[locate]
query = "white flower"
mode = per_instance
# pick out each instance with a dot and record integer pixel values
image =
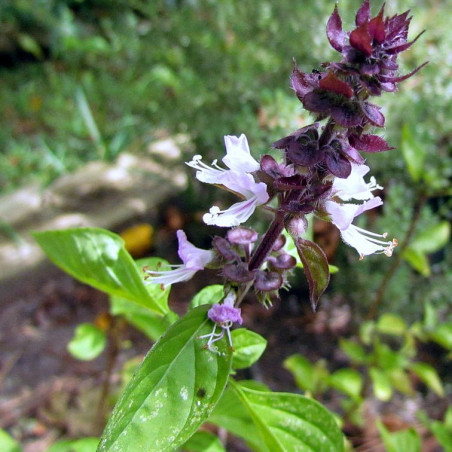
(365, 242)
(354, 186)
(193, 258)
(343, 214)
(237, 178)
(238, 156)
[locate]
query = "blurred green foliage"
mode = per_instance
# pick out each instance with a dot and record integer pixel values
(204, 67)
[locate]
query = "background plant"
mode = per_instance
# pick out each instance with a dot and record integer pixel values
(424, 138)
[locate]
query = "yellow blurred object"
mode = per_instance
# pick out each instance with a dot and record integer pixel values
(103, 321)
(138, 239)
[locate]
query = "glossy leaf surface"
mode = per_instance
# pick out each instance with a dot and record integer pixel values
(208, 295)
(232, 416)
(97, 257)
(173, 391)
(291, 421)
(248, 347)
(203, 442)
(152, 324)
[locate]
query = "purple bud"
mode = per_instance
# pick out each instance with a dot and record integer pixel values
(268, 281)
(297, 226)
(279, 243)
(224, 248)
(282, 262)
(238, 273)
(242, 236)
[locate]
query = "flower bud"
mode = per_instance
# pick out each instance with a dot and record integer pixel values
(238, 273)
(268, 281)
(242, 236)
(297, 226)
(224, 248)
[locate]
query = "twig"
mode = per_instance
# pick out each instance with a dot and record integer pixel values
(375, 305)
(115, 332)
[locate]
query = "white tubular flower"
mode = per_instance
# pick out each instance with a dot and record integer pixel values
(365, 242)
(237, 178)
(354, 187)
(238, 156)
(193, 258)
(243, 184)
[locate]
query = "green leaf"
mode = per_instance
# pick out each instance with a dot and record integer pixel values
(153, 325)
(77, 445)
(400, 380)
(432, 239)
(366, 332)
(389, 359)
(7, 443)
(354, 351)
(429, 376)
(232, 416)
(418, 260)
(428, 241)
(442, 432)
(88, 342)
(29, 44)
(173, 391)
(448, 418)
(333, 269)
(402, 440)
(381, 384)
(97, 257)
(204, 442)
(391, 324)
(90, 123)
(413, 153)
(208, 295)
(315, 266)
(150, 323)
(157, 293)
(430, 316)
(303, 372)
(442, 335)
(248, 348)
(291, 421)
(348, 381)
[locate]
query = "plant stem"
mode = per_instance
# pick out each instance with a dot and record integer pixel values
(115, 332)
(267, 242)
(375, 305)
(242, 292)
(327, 133)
